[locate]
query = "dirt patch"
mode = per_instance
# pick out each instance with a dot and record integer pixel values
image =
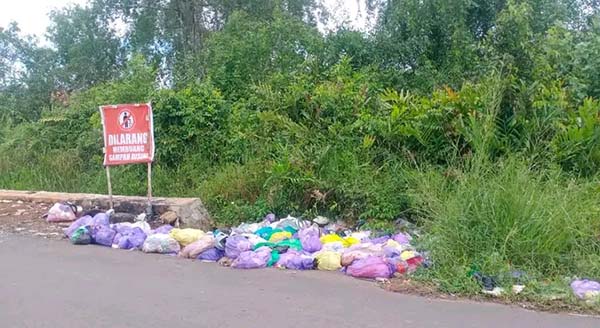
(26, 218)
(408, 286)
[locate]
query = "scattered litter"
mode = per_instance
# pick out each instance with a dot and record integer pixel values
(321, 220)
(496, 291)
(60, 212)
(517, 289)
(225, 261)
(487, 282)
(585, 289)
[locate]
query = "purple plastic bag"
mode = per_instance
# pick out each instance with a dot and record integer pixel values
(371, 267)
(391, 252)
(81, 222)
(122, 229)
(253, 259)
(211, 254)
(380, 240)
(586, 289)
(101, 219)
(270, 218)
(402, 238)
(103, 235)
(235, 245)
(164, 229)
(295, 260)
(134, 238)
(309, 238)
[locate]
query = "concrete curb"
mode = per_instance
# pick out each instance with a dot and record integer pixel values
(191, 211)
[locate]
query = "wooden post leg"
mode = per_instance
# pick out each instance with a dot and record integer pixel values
(149, 207)
(110, 196)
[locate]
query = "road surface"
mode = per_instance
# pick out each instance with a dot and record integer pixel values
(50, 283)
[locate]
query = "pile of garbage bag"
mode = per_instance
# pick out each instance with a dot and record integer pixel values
(288, 243)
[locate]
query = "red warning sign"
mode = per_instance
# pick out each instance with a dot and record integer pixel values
(128, 134)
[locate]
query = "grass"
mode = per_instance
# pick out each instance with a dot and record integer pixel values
(507, 217)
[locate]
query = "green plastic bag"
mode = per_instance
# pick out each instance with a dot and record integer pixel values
(274, 258)
(291, 243)
(266, 232)
(81, 236)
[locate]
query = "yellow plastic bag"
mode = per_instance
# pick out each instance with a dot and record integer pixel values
(329, 261)
(394, 244)
(332, 238)
(407, 255)
(325, 239)
(349, 241)
(186, 236)
(279, 236)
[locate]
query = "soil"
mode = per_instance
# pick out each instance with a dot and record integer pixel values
(26, 219)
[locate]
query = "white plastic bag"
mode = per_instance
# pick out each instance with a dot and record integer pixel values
(160, 243)
(62, 212)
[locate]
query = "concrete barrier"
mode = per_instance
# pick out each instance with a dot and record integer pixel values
(190, 211)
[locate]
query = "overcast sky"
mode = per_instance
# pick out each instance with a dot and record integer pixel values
(33, 19)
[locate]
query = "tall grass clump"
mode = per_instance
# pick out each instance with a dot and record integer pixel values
(508, 217)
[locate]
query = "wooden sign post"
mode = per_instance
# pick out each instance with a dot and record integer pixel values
(128, 132)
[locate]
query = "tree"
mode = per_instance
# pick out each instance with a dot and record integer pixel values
(249, 50)
(87, 47)
(27, 77)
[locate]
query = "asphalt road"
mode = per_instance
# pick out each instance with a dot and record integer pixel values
(49, 283)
